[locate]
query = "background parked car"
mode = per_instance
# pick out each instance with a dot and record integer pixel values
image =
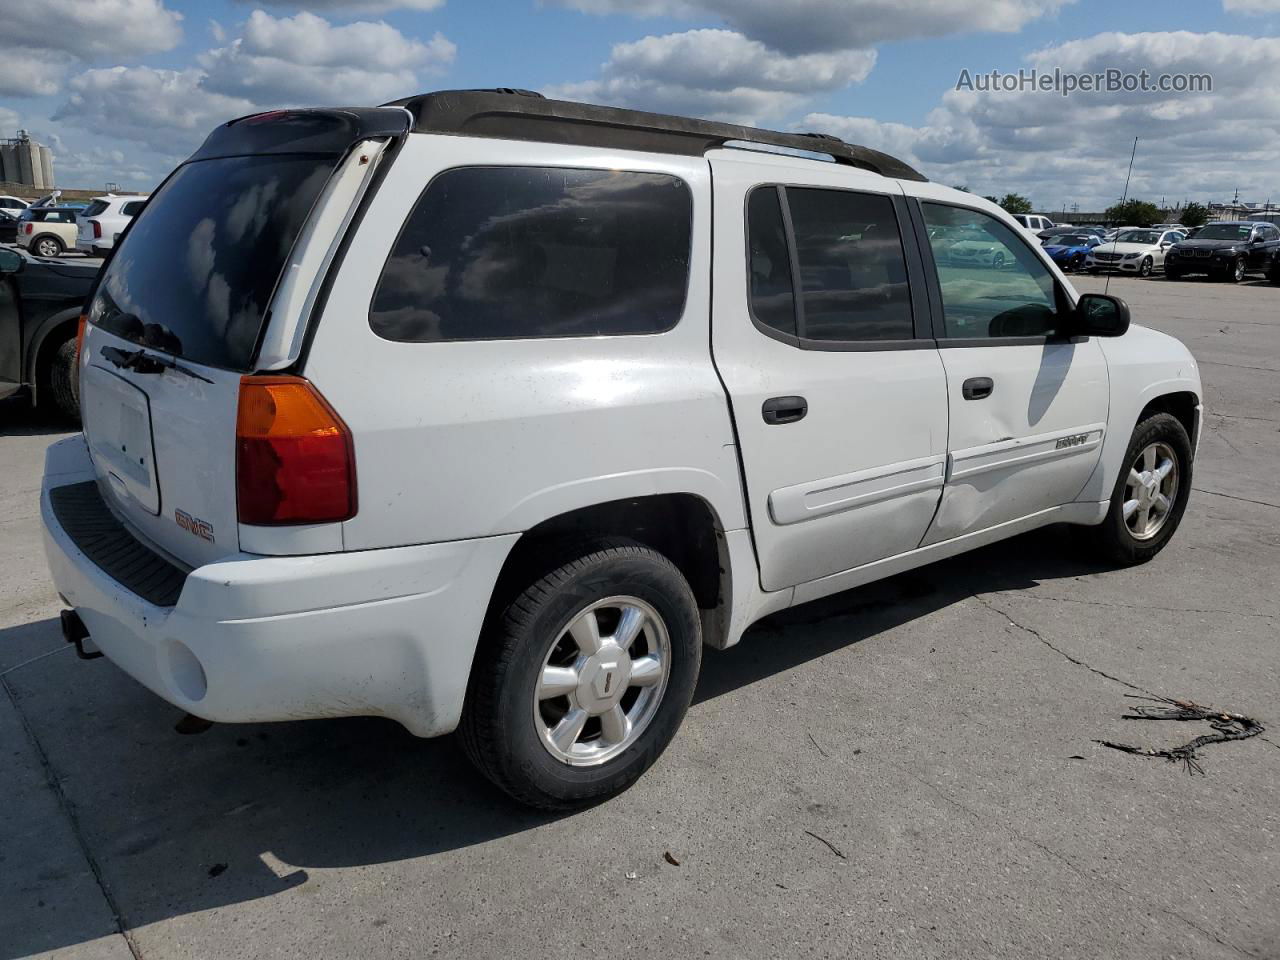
(959, 246)
(48, 231)
(1070, 250)
(1059, 230)
(104, 219)
(1137, 251)
(1033, 223)
(12, 206)
(40, 304)
(1228, 251)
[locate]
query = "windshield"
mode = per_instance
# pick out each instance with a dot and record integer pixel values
(200, 264)
(1138, 236)
(1225, 231)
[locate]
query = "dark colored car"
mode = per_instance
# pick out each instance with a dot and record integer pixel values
(1046, 235)
(1069, 250)
(40, 303)
(1228, 250)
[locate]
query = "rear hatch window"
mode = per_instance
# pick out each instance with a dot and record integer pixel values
(202, 260)
(95, 208)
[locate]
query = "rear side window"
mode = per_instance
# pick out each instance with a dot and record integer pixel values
(772, 294)
(493, 253)
(95, 208)
(198, 268)
(852, 268)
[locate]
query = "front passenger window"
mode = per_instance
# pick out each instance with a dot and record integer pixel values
(993, 286)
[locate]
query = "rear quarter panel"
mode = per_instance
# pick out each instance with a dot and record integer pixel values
(472, 439)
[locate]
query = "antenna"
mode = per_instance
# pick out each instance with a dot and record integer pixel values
(1123, 198)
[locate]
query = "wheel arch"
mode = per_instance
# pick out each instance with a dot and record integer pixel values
(1181, 404)
(684, 527)
(44, 343)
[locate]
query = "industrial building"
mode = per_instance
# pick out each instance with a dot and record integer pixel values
(25, 162)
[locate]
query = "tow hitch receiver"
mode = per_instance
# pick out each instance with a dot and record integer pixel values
(74, 631)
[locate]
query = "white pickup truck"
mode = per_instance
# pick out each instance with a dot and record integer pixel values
(487, 412)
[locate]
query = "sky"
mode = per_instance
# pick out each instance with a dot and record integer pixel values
(124, 90)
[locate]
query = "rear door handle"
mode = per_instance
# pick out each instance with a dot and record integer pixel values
(976, 388)
(778, 410)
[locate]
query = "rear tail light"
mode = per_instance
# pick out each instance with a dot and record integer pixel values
(27, 229)
(294, 458)
(97, 229)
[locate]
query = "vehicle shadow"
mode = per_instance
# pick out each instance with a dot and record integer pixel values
(242, 812)
(18, 418)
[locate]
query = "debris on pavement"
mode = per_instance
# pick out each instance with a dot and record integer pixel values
(1229, 726)
(667, 856)
(830, 846)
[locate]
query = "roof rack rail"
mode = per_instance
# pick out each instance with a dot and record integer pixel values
(512, 114)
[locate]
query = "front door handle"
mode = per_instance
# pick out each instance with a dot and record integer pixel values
(976, 388)
(784, 409)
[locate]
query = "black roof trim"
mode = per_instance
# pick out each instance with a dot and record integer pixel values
(523, 115)
(329, 130)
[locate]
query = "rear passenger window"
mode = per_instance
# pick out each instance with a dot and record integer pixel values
(772, 295)
(493, 253)
(853, 272)
(131, 208)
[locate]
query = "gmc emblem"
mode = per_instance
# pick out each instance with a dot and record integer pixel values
(201, 528)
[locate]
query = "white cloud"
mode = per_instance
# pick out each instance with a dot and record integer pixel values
(165, 111)
(1077, 149)
(27, 72)
(717, 73)
(1251, 7)
(307, 60)
(818, 25)
(349, 6)
(93, 28)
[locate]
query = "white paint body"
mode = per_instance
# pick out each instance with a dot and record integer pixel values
(1132, 254)
(461, 447)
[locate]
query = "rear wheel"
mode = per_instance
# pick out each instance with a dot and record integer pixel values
(581, 685)
(47, 246)
(63, 381)
(1150, 495)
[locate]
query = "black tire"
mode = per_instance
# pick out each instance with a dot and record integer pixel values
(47, 246)
(1234, 273)
(997, 261)
(1077, 263)
(63, 381)
(498, 730)
(1112, 540)
(1144, 268)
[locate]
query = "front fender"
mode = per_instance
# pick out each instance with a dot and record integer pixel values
(1142, 365)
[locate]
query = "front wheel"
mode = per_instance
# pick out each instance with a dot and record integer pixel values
(581, 685)
(1235, 272)
(1150, 495)
(997, 262)
(1144, 268)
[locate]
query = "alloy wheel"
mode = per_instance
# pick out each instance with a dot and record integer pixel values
(602, 681)
(1150, 490)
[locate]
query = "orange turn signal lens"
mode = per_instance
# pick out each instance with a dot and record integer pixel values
(295, 462)
(80, 338)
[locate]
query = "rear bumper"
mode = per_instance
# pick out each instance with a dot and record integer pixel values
(252, 638)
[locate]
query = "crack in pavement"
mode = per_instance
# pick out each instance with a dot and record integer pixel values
(1238, 366)
(1215, 493)
(1056, 649)
(69, 812)
(1148, 609)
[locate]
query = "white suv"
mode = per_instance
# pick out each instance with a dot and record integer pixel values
(1034, 223)
(485, 411)
(104, 219)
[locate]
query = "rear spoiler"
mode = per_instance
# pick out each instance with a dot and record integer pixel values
(331, 130)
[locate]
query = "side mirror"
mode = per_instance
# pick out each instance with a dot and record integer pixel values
(1100, 315)
(11, 261)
